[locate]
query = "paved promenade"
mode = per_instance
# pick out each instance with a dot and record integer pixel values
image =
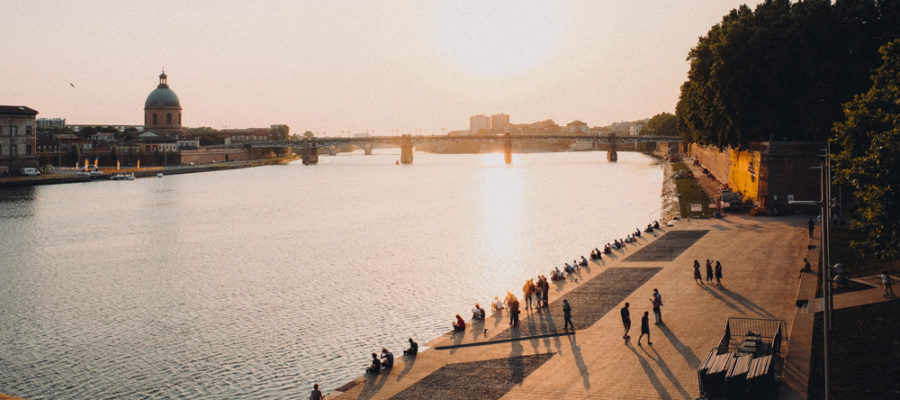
(761, 257)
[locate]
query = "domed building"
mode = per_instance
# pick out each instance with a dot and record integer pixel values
(162, 110)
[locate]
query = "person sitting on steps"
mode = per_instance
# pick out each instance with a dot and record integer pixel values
(459, 325)
(413, 348)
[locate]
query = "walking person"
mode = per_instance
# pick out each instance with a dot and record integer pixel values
(886, 281)
(697, 277)
(656, 301)
(718, 273)
(645, 329)
(567, 314)
(626, 321)
(709, 272)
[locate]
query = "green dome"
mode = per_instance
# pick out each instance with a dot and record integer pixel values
(162, 96)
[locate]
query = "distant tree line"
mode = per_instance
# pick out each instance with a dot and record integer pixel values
(783, 70)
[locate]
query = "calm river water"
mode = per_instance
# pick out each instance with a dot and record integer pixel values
(255, 283)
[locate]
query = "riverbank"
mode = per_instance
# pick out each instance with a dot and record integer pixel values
(596, 362)
(53, 179)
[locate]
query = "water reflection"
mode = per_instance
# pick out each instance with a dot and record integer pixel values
(500, 217)
(254, 283)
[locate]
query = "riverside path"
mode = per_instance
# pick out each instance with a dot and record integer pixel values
(760, 258)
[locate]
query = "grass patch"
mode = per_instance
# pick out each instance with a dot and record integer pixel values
(689, 191)
(864, 351)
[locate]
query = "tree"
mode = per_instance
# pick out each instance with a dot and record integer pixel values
(782, 70)
(279, 132)
(868, 159)
(663, 124)
(128, 134)
(86, 132)
(308, 134)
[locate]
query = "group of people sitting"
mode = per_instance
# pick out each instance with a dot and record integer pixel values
(387, 358)
(616, 244)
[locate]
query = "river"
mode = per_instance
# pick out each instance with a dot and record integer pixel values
(255, 283)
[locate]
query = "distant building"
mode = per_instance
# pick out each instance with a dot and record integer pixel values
(51, 122)
(188, 143)
(240, 136)
(577, 128)
(637, 127)
(499, 122)
(104, 137)
(18, 138)
(479, 122)
(150, 140)
(162, 109)
(459, 133)
(120, 128)
(620, 128)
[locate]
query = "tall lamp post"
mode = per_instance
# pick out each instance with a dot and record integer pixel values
(825, 240)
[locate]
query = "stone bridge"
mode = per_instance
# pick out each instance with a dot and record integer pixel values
(309, 148)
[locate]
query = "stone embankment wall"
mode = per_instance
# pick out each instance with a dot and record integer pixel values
(768, 174)
(210, 155)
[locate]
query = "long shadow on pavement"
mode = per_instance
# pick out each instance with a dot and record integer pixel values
(579, 362)
(657, 384)
(685, 351)
(410, 360)
(714, 293)
(667, 372)
(374, 384)
(747, 302)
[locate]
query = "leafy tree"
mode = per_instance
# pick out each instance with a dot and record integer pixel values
(279, 132)
(868, 159)
(128, 134)
(308, 134)
(663, 124)
(86, 132)
(782, 70)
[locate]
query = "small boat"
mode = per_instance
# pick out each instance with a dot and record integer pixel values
(159, 175)
(123, 176)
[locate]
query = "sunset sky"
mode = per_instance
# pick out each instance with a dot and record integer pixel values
(342, 66)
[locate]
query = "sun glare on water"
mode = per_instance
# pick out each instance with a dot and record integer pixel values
(496, 38)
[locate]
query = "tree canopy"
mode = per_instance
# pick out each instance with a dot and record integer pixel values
(868, 157)
(662, 124)
(782, 70)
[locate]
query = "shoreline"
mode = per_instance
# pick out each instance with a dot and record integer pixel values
(669, 210)
(54, 179)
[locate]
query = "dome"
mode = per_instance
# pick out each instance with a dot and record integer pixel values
(162, 97)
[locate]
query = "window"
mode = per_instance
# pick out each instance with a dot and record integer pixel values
(154, 118)
(12, 150)
(13, 130)
(179, 118)
(28, 130)
(169, 119)
(27, 149)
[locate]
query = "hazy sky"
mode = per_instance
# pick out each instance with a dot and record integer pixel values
(339, 65)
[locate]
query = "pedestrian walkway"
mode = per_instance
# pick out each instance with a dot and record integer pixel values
(760, 259)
